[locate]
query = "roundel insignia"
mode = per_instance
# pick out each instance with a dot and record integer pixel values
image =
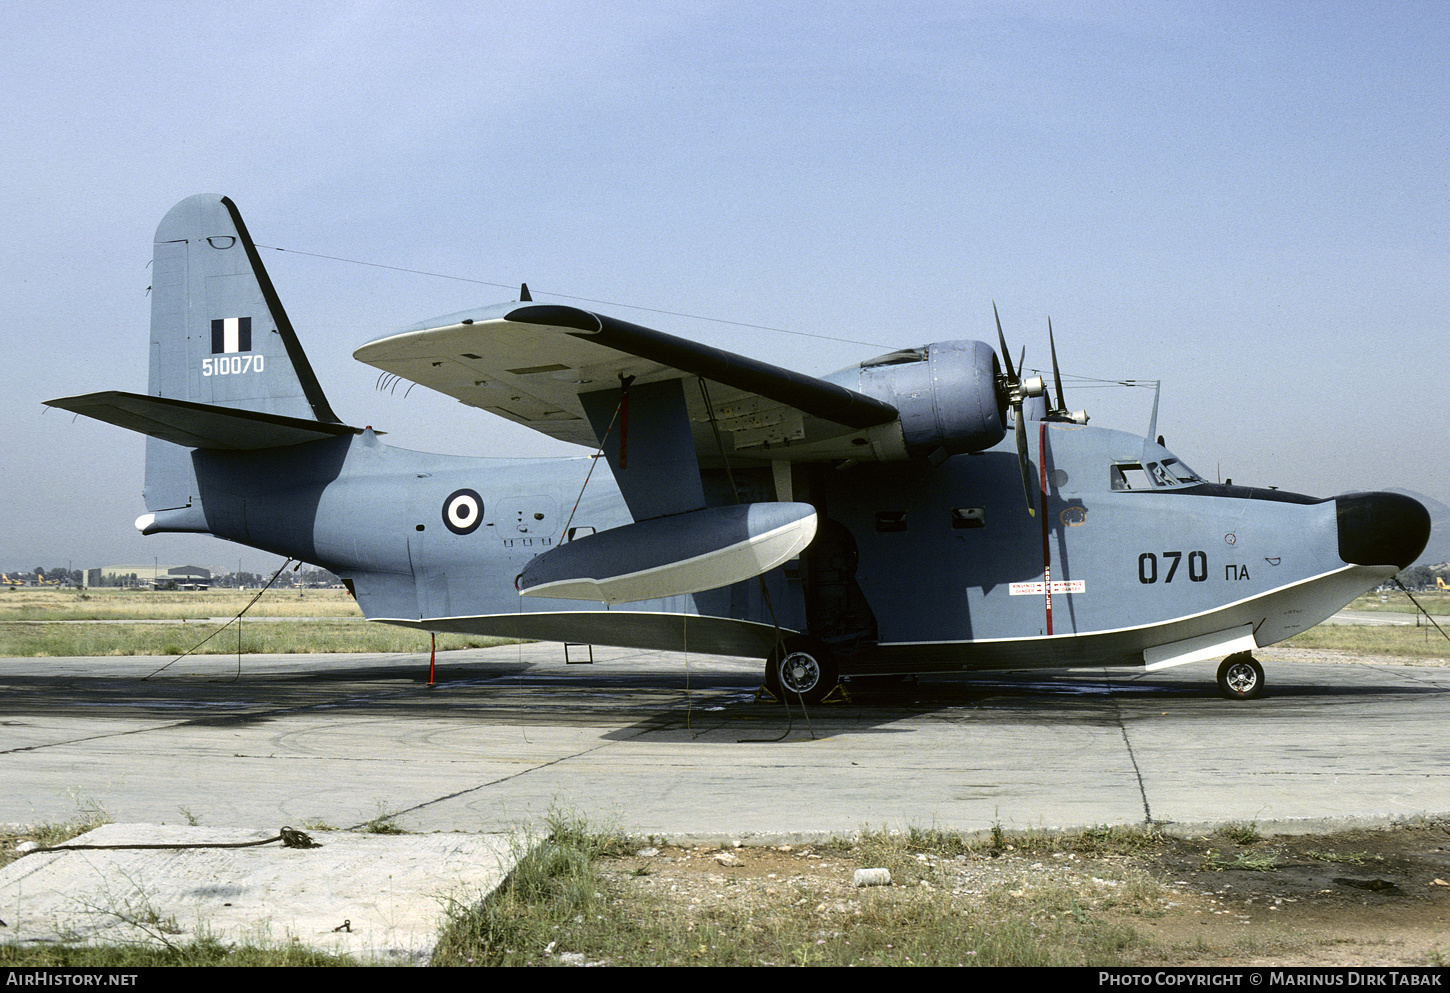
(463, 511)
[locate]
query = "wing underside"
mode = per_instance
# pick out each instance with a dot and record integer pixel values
(543, 366)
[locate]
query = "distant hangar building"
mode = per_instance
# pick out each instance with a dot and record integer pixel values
(184, 576)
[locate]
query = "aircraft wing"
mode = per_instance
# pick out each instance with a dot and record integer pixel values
(547, 366)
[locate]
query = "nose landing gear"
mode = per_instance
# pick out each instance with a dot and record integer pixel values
(1240, 677)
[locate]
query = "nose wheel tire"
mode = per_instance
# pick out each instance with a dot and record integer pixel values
(1240, 677)
(802, 670)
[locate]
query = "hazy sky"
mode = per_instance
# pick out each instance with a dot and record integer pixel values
(1246, 201)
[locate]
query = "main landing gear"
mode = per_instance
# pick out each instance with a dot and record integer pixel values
(801, 670)
(1240, 677)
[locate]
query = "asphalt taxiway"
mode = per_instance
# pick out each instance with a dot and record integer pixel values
(676, 746)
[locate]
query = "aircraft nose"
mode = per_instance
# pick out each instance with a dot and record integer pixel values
(1381, 528)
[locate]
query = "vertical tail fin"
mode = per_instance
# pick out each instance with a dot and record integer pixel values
(219, 334)
(227, 371)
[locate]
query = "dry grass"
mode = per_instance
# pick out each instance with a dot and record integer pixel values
(1400, 640)
(38, 604)
(579, 898)
(1107, 897)
(20, 640)
(1437, 602)
(67, 623)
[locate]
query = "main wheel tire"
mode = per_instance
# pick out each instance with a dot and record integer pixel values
(1240, 677)
(801, 670)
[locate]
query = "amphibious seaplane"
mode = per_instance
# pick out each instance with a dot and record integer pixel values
(883, 519)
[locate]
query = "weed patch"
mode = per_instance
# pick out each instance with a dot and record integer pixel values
(581, 898)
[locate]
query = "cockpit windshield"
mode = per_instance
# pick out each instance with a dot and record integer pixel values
(1168, 472)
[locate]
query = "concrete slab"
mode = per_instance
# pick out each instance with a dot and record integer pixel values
(377, 897)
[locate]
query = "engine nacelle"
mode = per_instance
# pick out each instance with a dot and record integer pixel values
(947, 393)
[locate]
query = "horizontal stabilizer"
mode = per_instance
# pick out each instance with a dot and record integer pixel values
(668, 556)
(200, 425)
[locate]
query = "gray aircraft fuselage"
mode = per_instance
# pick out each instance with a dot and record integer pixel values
(915, 568)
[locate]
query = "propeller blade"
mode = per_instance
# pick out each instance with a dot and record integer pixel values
(1060, 412)
(1056, 376)
(1002, 340)
(1022, 459)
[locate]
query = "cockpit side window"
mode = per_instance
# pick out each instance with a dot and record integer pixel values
(1129, 476)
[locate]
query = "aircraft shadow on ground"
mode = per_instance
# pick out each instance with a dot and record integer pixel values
(665, 705)
(880, 706)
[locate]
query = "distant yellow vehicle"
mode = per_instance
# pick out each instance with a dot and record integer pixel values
(1440, 584)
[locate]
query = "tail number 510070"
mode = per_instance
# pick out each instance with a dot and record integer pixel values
(1148, 566)
(231, 365)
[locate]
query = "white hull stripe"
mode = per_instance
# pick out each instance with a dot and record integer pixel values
(1368, 570)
